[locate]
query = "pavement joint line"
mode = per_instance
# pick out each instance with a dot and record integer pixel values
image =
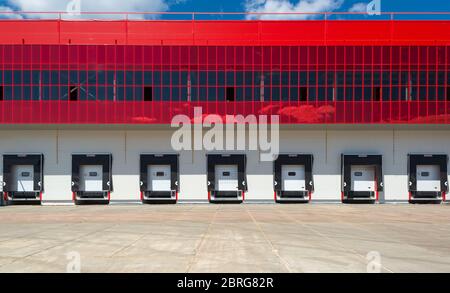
(29, 234)
(328, 228)
(274, 250)
(62, 243)
(127, 246)
(202, 241)
(362, 229)
(143, 235)
(412, 245)
(333, 240)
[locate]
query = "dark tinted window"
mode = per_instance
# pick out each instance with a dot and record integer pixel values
(148, 94)
(74, 92)
(230, 94)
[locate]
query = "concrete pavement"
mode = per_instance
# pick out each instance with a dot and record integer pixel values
(225, 238)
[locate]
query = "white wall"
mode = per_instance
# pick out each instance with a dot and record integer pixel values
(126, 146)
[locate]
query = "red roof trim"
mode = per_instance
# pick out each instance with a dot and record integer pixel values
(233, 33)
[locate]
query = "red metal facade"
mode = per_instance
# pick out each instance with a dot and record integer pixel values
(307, 72)
(224, 33)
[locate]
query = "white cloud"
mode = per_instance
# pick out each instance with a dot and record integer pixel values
(358, 7)
(6, 13)
(286, 6)
(91, 6)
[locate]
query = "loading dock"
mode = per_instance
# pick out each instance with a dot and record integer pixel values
(361, 178)
(23, 177)
(91, 177)
(293, 180)
(159, 177)
(427, 177)
(227, 179)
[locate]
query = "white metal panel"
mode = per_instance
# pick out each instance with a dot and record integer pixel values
(293, 178)
(23, 178)
(91, 178)
(226, 177)
(363, 178)
(428, 178)
(159, 178)
(193, 178)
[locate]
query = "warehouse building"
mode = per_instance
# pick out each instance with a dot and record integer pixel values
(362, 110)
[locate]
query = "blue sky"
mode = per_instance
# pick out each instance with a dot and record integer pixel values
(387, 5)
(226, 5)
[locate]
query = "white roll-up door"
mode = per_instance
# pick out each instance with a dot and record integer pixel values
(158, 178)
(293, 178)
(226, 177)
(91, 178)
(363, 178)
(428, 178)
(23, 178)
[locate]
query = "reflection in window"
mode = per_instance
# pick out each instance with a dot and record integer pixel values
(74, 92)
(282, 84)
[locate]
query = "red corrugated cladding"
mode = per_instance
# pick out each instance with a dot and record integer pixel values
(432, 36)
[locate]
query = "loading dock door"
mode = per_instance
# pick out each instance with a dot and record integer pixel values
(91, 178)
(159, 178)
(293, 178)
(23, 178)
(226, 177)
(363, 178)
(428, 178)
